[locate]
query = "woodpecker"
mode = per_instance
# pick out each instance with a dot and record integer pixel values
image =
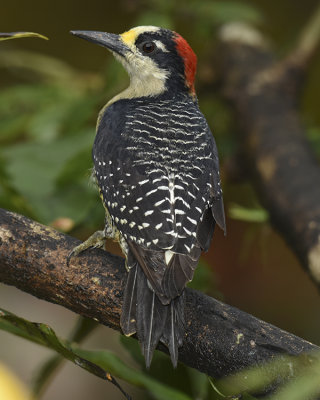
(157, 169)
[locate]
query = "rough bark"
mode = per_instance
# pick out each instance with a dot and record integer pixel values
(219, 340)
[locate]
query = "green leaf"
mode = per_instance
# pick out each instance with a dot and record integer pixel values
(215, 389)
(76, 168)
(42, 334)
(83, 328)
(111, 362)
(259, 215)
(47, 123)
(79, 111)
(18, 35)
(45, 374)
(9, 197)
(306, 386)
(34, 168)
(95, 362)
(161, 367)
(37, 112)
(300, 375)
(199, 384)
(76, 201)
(133, 348)
(11, 128)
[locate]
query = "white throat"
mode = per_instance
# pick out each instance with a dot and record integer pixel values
(146, 78)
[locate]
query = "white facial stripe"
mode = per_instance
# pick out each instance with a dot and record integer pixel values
(161, 46)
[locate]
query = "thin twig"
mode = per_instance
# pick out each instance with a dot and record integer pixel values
(308, 41)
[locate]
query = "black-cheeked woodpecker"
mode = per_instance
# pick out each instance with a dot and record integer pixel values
(157, 169)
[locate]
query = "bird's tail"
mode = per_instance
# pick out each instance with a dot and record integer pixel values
(144, 314)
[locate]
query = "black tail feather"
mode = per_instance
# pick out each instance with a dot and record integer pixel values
(218, 214)
(174, 329)
(151, 317)
(128, 314)
(144, 314)
(205, 229)
(179, 271)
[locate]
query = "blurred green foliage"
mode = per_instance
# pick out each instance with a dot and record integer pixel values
(47, 128)
(98, 363)
(46, 135)
(43, 335)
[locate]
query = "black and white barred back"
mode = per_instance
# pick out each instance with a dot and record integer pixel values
(157, 168)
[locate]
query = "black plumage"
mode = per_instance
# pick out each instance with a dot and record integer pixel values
(157, 169)
(162, 190)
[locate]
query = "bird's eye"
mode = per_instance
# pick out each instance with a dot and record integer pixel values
(148, 47)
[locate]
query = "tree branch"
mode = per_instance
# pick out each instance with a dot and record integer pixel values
(308, 41)
(219, 340)
(265, 96)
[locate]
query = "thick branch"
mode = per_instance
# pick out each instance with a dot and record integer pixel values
(220, 339)
(265, 96)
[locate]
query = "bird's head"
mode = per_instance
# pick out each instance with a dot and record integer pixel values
(157, 59)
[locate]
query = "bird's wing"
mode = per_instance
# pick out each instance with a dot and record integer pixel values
(156, 212)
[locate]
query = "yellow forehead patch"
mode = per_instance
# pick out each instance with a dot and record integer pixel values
(129, 37)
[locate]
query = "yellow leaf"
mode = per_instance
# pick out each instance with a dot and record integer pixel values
(11, 388)
(17, 35)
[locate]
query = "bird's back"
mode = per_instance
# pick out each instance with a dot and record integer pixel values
(157, 160)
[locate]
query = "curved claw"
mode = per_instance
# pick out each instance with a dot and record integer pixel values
(70, 255)
(95, 240)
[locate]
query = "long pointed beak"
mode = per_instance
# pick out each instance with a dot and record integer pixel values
(111, 41)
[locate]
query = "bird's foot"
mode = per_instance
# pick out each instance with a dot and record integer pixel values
(97, 240)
